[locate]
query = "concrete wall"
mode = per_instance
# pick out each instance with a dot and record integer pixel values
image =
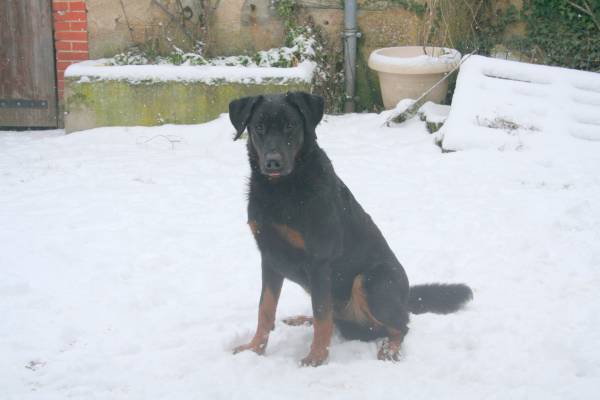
(230, 27)
(243, 26)
(115, 25)
(239, 26)
(92, 104)
(234, 26)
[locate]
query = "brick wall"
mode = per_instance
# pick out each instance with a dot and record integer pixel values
(70, 36)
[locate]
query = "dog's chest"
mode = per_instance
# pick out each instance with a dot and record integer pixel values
(285, 222)
(273, 235)
(279, 222)
(284, 247)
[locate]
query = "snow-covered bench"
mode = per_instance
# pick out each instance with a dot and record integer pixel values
(511, 105)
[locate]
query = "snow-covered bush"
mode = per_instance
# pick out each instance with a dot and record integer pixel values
(301, 48)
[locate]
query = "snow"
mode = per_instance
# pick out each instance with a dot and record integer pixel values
(434, 113)
(531, 105)
(99, 70)
(128, 272)
(448, 56)
(402, 106)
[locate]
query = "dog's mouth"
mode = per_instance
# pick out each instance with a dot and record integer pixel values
(274, 175)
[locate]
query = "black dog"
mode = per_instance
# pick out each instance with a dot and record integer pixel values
(311, 230)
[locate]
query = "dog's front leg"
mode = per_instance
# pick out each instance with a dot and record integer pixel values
(320, 290)
(269, 296)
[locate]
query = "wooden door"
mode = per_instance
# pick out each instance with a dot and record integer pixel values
(27, 73)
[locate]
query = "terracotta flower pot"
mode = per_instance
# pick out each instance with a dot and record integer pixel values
(407, 72)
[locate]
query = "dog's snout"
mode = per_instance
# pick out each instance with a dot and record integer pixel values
(273, 161)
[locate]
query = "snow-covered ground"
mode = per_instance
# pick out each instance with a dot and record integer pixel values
(127, 270)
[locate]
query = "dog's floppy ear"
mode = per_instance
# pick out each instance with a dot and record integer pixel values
(240, 111)
(310, 105)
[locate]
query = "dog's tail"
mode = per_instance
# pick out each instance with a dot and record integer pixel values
(438, 298)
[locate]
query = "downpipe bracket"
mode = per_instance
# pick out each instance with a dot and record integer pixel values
(348, 33)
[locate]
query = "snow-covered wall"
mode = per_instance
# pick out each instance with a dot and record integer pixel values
(97, 70)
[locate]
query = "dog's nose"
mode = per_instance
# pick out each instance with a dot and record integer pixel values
(273, 161)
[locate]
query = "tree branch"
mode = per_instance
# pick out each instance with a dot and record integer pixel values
(586, 9)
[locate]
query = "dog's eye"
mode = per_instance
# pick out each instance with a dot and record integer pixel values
(291, 125)
(259, 128)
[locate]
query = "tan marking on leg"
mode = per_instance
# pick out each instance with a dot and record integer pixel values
(390, 347)
(254, 227)
(266, 311)
(357, 308)
(319, 350)
(290, 235)
(266, 323)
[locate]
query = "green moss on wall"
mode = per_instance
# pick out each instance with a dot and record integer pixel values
(121, 103)
(367, 83)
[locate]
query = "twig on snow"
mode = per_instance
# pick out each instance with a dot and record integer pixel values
(170, 138)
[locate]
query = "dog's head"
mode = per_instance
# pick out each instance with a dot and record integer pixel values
(279, 127)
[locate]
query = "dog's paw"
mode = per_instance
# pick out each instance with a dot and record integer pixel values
(389, 351)
(314, 358)
(298, 320)
(257, 347)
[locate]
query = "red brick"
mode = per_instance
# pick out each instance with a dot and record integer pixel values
(62, 56)
(78, 26)
(77, 6)
(60, 84)
(62, 45)
(79, 36)
(81, 46)
(70, 16)
(72, 55)
(60, 5)
(62, 65)
(62, 26)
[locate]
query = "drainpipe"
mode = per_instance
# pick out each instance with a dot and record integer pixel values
(351, 34)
